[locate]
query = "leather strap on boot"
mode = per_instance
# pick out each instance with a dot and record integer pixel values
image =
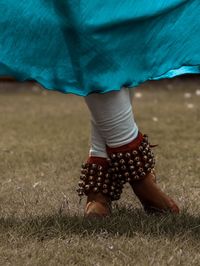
(133, 161)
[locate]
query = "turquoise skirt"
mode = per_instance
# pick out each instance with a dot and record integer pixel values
(85, 46)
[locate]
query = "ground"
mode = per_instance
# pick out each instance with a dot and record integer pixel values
(44, 139)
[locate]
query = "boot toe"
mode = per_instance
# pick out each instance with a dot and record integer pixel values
(96, 209)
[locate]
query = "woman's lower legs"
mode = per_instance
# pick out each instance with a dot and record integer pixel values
(112, 117)
(97, 143)
(112, 112)
(113, 126)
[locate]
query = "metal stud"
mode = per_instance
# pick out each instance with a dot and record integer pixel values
(126, 174)
(84, 165)
(113, 156)
(145, 158)
(87, 187)
(95, 189)
(107, 175)
(105, 191)
(91, 177)
(143, 174)
(116, 169)
(134, 153)
(91, 183)
(119, 155)
(123, 168)
(138, 164)
(113, 170)
(99, 179)
(149, 154)
(133, 173)
(130, 162)
(140, 148)
(131, 167)
(99, 167)
(80, 191)
(105, 186)
(127, 155)
(99, 173)
(122, 161)
(81, 184)
(98, 184)
(136, 159)
(144, 144)
(106, 181)
(83, 177)
(91, 172)
(84, 171)
(140, 170)
(94, 166)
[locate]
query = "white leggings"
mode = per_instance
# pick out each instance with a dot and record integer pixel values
(112, 120)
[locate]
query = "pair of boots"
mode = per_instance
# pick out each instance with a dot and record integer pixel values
(102, 180)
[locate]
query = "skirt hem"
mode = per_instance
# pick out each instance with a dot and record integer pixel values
(193, 69)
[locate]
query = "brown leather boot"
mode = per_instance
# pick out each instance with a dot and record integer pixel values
(98, 205)
(100, 185)
(135, 161)
(153, 199)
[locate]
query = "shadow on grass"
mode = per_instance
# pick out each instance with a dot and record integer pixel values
(123, 222)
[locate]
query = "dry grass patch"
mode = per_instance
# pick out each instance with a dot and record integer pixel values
(44, 139)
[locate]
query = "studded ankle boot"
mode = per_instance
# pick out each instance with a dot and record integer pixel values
(100, 185)
(135, 163)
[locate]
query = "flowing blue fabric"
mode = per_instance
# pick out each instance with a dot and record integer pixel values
(85, 46)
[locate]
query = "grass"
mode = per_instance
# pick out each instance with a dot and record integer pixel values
(44, 139)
